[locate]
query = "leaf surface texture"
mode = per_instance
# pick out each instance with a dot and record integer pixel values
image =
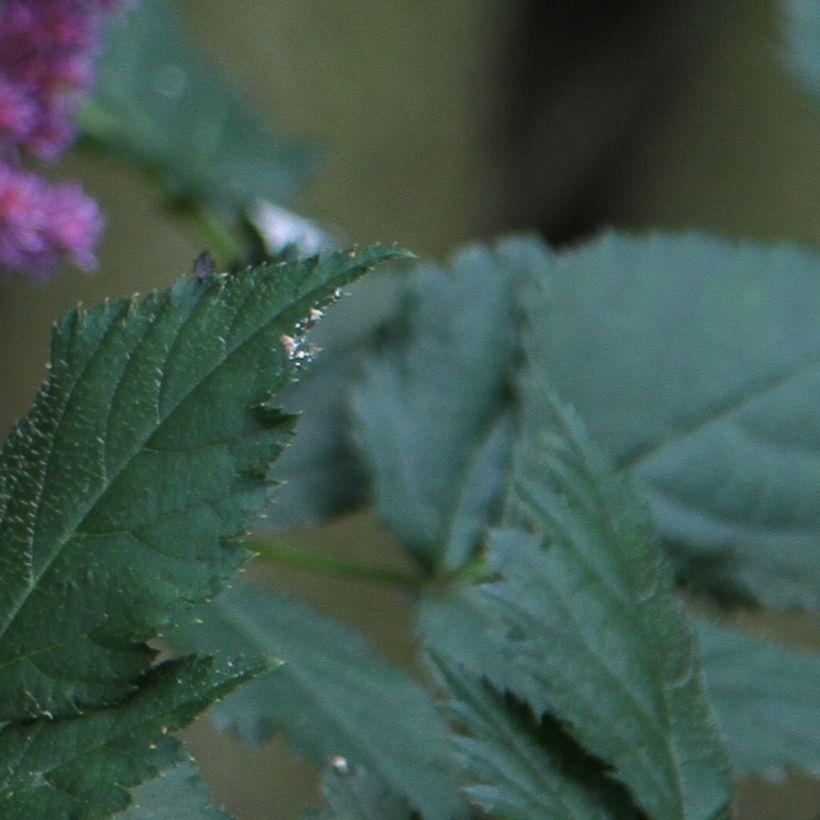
(146, 448)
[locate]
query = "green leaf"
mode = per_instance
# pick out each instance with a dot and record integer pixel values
(429, 403)
(161, 106)
(581, 622)
(332, 697)
(178, 792)
(321, 475)
(802, 30)
(83, 766)
(696, 363)
(356, 795)
(765, 699)
(146, 447)
(516, 768)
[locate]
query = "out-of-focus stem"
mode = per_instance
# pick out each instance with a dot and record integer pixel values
(272, 550)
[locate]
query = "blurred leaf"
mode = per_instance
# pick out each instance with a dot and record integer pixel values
(516, 768)
(696, 362)
(356, 795)
(321, 473)
(146, 447)
(162, 107)
(802, 28)
(765, 699)
(430, 401)
(332, 698)
(580, 621)
(177, 792)
(83, 766)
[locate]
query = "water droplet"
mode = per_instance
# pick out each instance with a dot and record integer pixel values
(340, 765)
(290, 345)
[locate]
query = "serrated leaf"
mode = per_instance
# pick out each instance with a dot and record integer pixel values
(428, 403)
(178, 792)
(160, 105)
(765, 699)
(332, 697)
(581, 623)
(514, 768)
(321, 474)
(357, 795)
(146, 448)
(802, 30)
(696, 362)
(83, 766)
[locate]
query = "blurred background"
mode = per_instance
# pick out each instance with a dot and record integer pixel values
(439, 123)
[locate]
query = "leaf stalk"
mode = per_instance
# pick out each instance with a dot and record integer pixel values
(271, 550)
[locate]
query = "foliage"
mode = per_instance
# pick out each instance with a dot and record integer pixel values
(333, 697)
(579, 622)
(145, 451)
(561, 441)
(355, 794)
(161, 106)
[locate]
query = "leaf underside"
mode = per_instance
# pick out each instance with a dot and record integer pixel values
(802, 53)
(146, 447)
(320, 472)
(178, 792)
(332, 697)
(431, 411)
(515, 768)
(694, 361)
(765, 699)
(581, 622)
(356, 795)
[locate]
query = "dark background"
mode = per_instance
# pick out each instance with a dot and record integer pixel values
(442, 122)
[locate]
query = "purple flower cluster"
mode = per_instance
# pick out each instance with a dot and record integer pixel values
(47, 48)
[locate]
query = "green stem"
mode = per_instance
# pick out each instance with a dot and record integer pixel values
(216, 237)
(294, 557)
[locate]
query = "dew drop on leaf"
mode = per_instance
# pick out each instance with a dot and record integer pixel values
(340, 765)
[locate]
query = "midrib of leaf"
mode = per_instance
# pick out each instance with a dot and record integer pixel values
(719, 412)
(59, 545)
(205, 302)
(658, 729)
(591, 534)
(741, 527)
(651, 726)
(466, 471)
